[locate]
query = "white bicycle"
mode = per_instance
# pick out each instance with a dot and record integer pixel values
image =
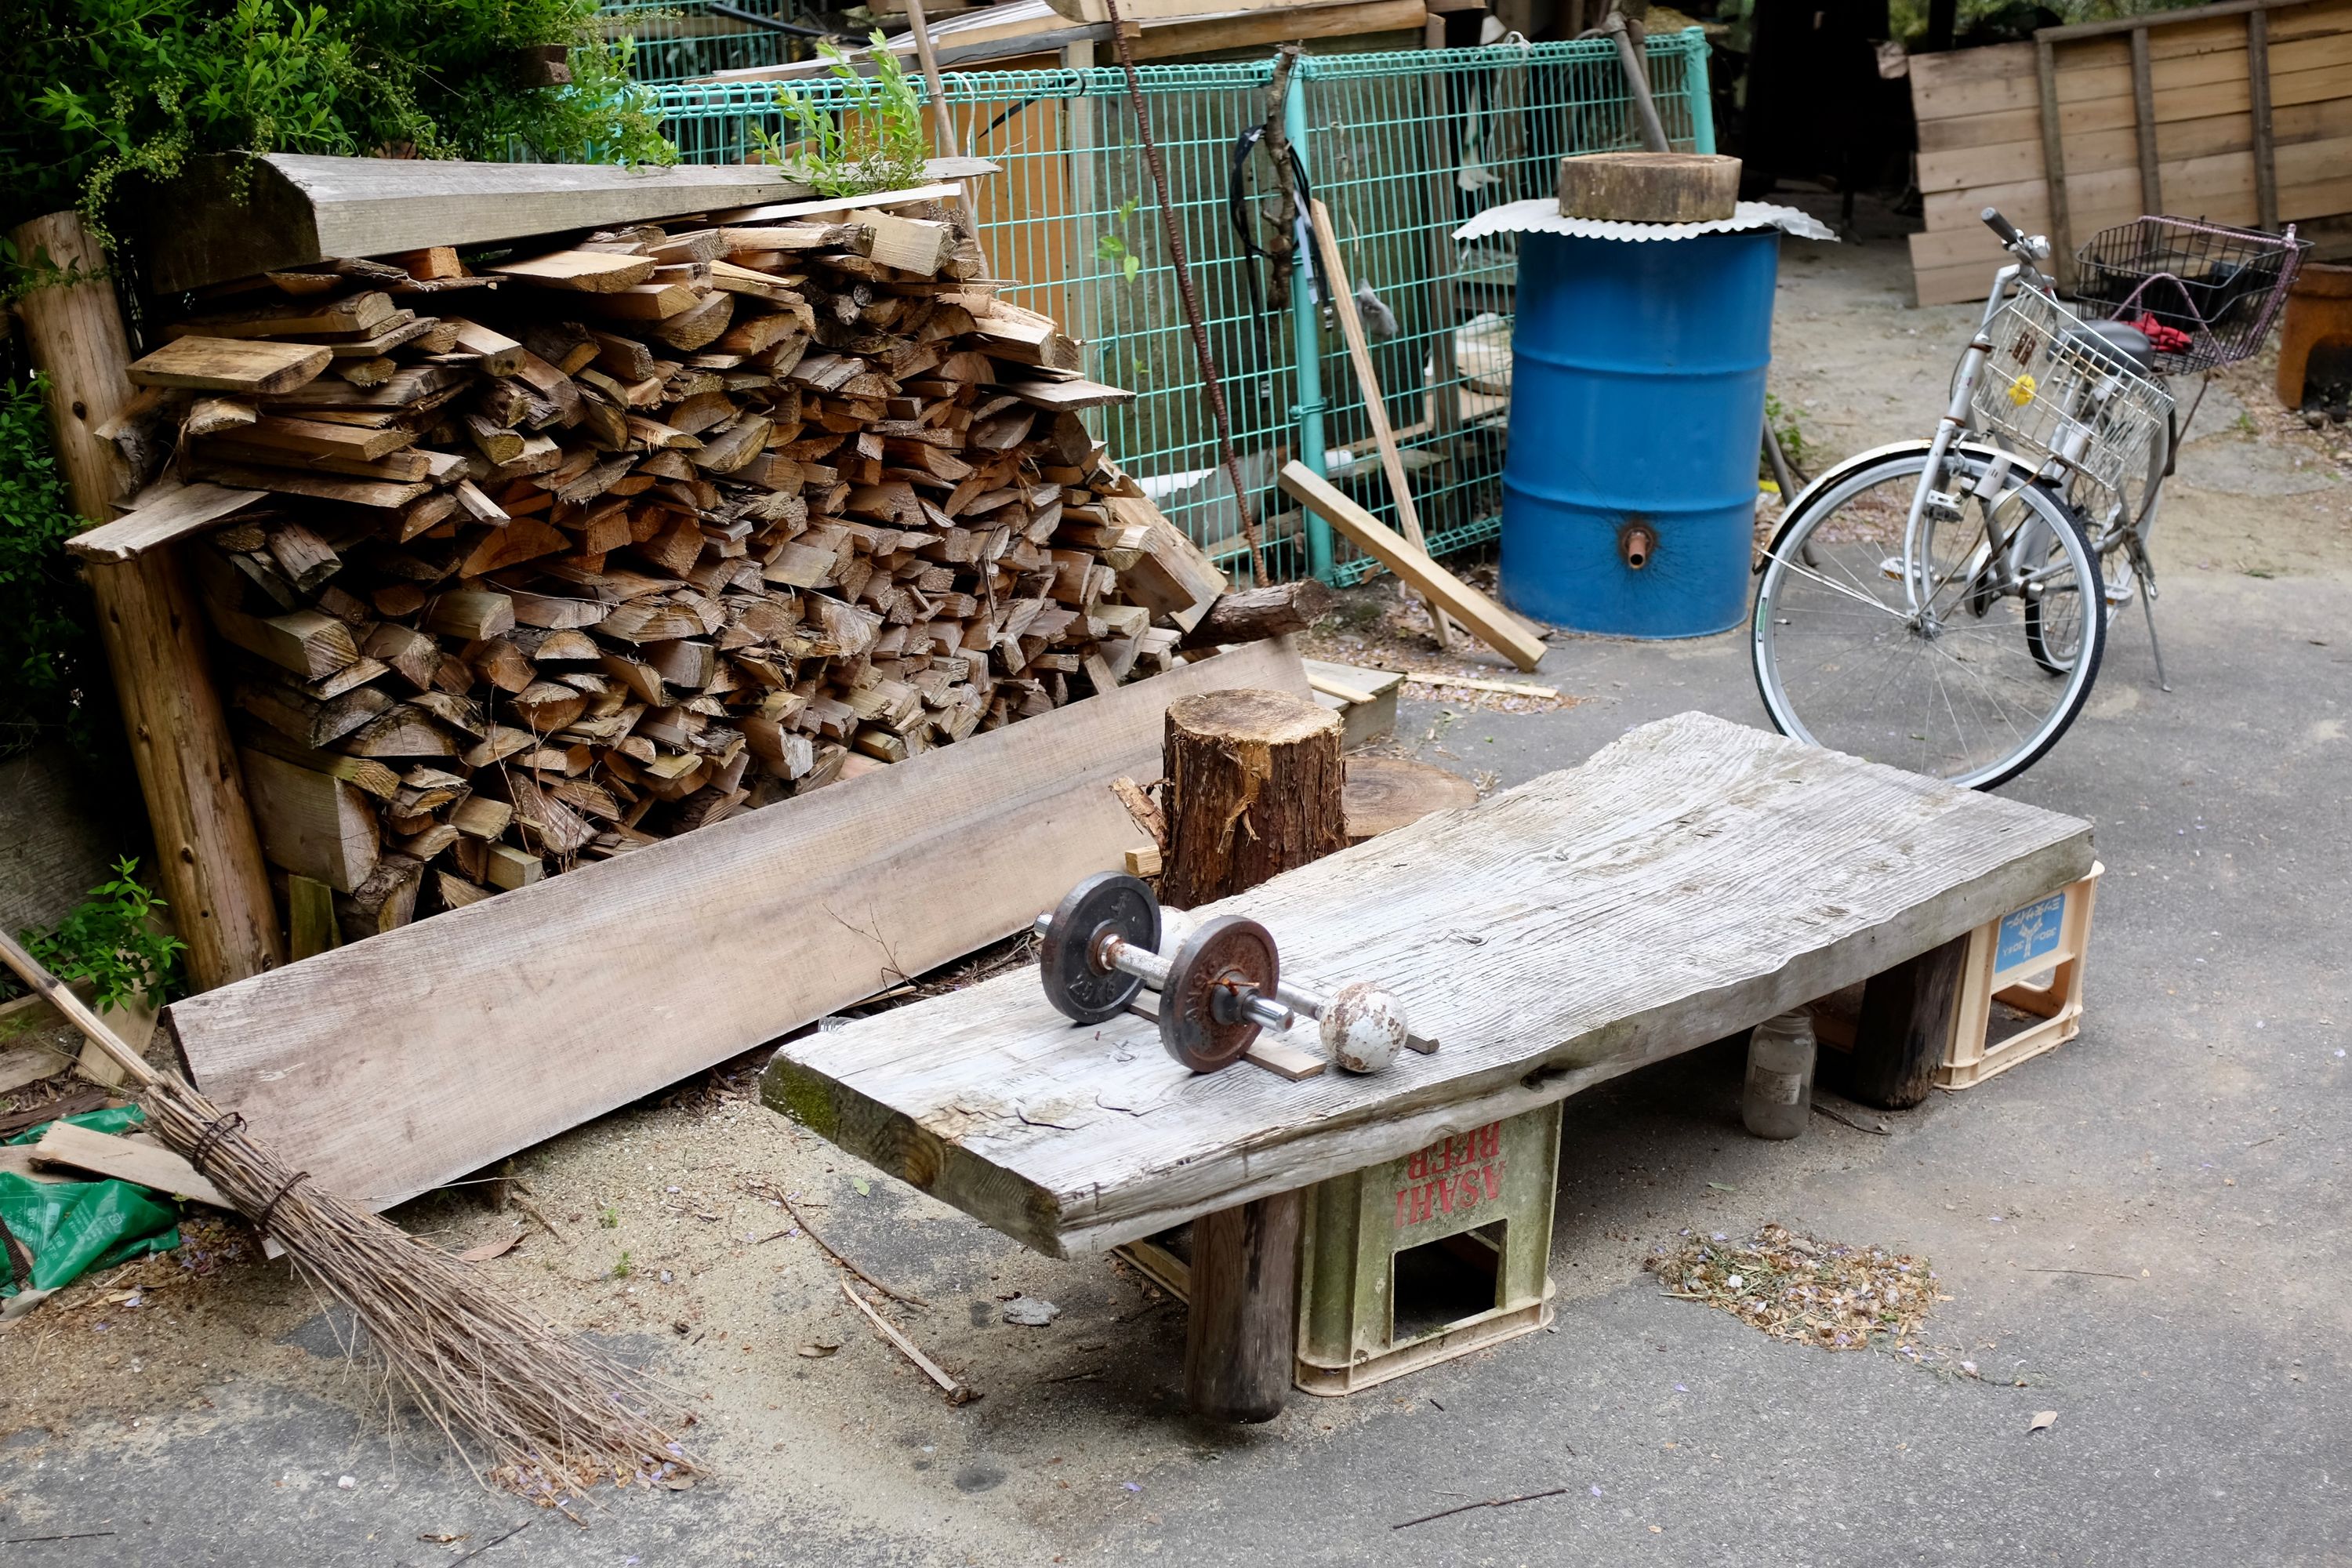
(1929, 604)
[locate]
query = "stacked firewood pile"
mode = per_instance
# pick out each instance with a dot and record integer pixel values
(571, 548)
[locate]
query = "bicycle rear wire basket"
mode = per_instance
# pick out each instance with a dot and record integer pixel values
(2059, 392)
(2204, 294)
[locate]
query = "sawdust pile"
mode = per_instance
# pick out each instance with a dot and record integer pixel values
(1795, 1287)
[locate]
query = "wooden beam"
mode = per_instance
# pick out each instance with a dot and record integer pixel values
(1906, 1028)
(1691, 836)
(2053, 162)
(2151, 183)
(736, 934)
(2168, 19)
(1495, 626)
(206, 854)
(1376, 407)
(2258, 86)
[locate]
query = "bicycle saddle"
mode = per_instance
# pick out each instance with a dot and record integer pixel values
(2117, 345)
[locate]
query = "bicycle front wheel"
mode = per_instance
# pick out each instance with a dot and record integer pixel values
(1976, 682)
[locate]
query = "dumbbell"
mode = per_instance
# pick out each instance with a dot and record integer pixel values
(1222, 984)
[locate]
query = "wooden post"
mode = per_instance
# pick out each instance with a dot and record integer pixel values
(206, 848)
(2258, 88)
(1254, 782)
(1255, 787)
(2053, 161)
(1906, 1027)
(1241, 1337)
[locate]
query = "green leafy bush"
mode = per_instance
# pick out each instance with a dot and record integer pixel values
(874, 142)
(112, 940)
(48, 652)
(96, 96)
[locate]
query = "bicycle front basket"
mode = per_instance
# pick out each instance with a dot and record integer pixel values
(2205, 294)
(2058, 391)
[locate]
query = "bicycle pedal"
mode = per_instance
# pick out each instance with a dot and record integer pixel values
(2119, 593)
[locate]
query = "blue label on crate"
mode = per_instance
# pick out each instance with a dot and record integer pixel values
(2029, 932)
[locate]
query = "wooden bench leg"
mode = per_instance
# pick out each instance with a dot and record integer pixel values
(1906, 1027)
(1241, 1335)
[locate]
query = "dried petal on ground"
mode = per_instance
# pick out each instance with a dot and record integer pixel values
(2043, 1421)
(1802, 1288)
(1031, 1311)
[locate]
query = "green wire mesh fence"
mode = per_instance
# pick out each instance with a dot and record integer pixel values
(675, 40)
(1401, 147)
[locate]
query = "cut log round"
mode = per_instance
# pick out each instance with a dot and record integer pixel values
(1253, 788)
(1649, 187)
(1384, 794)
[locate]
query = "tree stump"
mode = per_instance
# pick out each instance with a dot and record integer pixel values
(1255, 787)
(1385, 794)
(1255, 784)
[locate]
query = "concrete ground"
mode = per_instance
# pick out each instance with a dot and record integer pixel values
(2141, 1231)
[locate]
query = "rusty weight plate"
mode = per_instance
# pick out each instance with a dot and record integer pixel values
(1225, 952)
(1107, 900)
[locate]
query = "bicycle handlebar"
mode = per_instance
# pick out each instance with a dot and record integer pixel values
(2002, 226)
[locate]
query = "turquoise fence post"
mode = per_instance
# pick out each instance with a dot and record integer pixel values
(1694, 88)
(1307, 329)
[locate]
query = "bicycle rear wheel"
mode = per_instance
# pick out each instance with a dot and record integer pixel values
(1980, 682)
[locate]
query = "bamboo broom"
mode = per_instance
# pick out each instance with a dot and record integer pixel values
(549, 1415)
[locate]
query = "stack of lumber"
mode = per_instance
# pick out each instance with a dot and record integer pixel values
(2236, 114)
(568, 548)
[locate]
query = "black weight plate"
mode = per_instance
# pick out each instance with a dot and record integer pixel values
(1227, 950)
(1065, 958)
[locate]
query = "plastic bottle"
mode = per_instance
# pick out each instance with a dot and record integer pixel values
(1779, 1091)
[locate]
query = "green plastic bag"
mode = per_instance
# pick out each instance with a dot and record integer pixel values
(72, 1228)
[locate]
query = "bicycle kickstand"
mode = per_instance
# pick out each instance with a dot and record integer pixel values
(2144, 571)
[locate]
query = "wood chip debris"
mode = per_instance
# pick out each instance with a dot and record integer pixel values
(1795, 1287)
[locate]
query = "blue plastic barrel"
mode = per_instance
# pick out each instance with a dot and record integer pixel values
(1637, 402)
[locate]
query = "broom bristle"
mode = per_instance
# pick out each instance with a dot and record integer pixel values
(549, 1414)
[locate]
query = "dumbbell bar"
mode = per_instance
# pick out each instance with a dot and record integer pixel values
(1220, 988)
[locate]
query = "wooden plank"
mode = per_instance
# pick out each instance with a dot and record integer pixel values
(304, 209)
(1376, 408)
(164, 511)
(124, 1158)
(581, 271)
(753, 926)
(1495, 626)
(232, 364)
(1065, 395)
(1691, 836)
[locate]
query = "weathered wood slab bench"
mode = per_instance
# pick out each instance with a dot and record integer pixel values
(1689, 881)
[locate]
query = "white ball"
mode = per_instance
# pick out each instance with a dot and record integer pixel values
(1363, 1028)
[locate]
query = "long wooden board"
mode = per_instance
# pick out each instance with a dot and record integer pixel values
(303, 208)
(148, 1165)
(395, 1064)
(1687, 882)
(1496, 627)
